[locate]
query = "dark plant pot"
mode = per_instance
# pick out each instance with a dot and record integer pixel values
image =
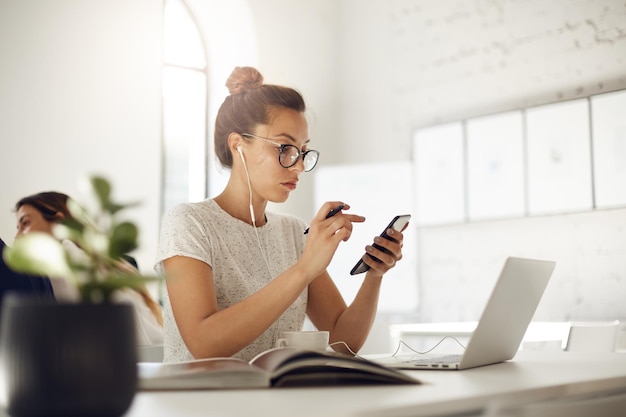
(62, 359)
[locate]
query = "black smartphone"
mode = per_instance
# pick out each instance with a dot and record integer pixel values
(398, 224)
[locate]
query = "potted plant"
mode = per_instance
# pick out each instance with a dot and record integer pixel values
(73, 358)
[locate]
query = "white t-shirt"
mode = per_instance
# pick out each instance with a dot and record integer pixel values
(230, 247)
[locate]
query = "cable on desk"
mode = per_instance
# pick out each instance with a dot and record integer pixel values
(400, 343)
(341, 342)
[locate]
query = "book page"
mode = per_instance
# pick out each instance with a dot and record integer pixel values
(212, 373)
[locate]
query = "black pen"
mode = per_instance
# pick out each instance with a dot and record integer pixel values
(330, 214)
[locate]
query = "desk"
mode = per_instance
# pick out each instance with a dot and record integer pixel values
(531, 376)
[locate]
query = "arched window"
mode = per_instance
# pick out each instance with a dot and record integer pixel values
(185, 98)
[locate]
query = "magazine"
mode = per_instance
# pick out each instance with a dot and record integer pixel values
(280, 367)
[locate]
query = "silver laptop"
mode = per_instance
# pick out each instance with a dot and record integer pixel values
(502, 326)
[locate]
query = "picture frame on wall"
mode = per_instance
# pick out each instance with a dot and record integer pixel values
(495, 166)
(559, 158)
(609, 149)
(438, 155)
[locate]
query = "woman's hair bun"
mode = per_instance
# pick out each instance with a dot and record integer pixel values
(243, 79)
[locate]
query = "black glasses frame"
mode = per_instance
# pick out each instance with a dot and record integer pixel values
(283, 146)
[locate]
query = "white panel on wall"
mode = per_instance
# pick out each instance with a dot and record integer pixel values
(559, 158)
(495, 166)
(439, 174)
(379, 192)
(609, 148)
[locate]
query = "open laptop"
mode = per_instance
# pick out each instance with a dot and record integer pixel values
(502, 326)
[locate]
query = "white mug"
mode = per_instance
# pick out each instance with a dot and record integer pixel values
(312, 340)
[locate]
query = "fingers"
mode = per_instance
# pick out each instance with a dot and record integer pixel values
(341, 227)
(332, 219)
(329, 227)
(385, 252)
(329, 208)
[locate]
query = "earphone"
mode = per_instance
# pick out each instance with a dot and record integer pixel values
(252, 217)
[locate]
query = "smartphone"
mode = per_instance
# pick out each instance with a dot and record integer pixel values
(398, 224)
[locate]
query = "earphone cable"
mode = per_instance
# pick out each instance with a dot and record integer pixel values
(256, 232)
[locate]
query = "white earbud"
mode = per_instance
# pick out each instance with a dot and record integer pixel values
(240, 153)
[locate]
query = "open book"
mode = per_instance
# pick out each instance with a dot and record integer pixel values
(280, 367)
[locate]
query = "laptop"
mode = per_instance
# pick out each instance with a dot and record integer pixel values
(501, 327)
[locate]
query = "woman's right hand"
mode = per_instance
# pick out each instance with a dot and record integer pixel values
(324, 237)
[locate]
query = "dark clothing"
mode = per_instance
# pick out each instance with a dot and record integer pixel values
(131, 261)
(11, 281)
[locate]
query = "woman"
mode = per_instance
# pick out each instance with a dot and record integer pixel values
(39, 213)
(238, 275)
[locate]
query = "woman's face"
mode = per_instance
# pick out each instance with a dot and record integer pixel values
(270, 180)
(29, 219)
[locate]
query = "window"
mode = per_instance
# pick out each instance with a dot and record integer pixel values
(185, 99)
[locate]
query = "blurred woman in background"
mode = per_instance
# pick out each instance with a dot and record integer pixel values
(40, 213)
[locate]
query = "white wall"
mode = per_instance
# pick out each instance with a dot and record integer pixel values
(297, 43)
(414, 63)
(406, 64)
(80, 94)
(459, 264)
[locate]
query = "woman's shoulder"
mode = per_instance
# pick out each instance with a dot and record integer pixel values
(191, 208)
(195, 211)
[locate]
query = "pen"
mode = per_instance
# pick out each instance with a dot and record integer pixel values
(330, 214)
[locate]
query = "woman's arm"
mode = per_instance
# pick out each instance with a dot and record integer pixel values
(351, 324)
(208, 331)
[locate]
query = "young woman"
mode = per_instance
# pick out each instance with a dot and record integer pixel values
(39, 213)
(238, 275)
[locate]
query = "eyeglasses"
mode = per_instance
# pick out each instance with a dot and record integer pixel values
(289, 155)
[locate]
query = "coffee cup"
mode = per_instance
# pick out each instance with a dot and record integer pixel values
(312, 340)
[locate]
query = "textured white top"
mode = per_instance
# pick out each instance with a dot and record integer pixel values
(229, 246)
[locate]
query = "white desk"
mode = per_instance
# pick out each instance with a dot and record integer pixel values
(532, 376)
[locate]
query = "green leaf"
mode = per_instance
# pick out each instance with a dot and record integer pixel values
(123, 239)
(102, 188)
(38, 254)
(113, 208)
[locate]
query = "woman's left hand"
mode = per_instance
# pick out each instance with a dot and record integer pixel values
(389, 252)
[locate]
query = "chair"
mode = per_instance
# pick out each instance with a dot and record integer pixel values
(592, 336)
